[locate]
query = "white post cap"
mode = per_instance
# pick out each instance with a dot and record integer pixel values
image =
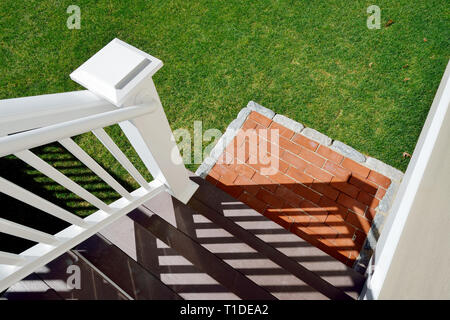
(115, 70)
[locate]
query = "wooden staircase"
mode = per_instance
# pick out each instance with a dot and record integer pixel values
(215, 247)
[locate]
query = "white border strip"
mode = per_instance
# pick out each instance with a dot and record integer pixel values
(387, 244)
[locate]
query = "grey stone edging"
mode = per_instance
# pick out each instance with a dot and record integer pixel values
(225, 139)
(288, 123)
(253, 106)
(348, 151)
(385, 204)
(384, 169)
(317, 136)
(382, 211)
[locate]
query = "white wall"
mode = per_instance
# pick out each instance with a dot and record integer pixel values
(412, 257)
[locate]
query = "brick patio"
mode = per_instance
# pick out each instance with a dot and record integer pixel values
(316, 193)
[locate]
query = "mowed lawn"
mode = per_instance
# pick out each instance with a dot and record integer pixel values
(313, 61)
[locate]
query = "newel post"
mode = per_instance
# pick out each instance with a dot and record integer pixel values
(122, 74)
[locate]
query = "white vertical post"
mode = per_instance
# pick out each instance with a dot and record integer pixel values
(122, 74)
(152, 138)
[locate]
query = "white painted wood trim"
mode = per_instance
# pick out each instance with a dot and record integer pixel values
(34, 138)
(25, 232)
(392, 232)
(22, 114)
(12, 259)
(153, 140)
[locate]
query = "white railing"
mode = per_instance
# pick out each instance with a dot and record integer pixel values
(26, 123)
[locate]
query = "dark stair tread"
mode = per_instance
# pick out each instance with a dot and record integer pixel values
(182, 216)
(164, 262)
(215, 247)
(130, 276)
(229, 277)
(235, 252)
(30, 288)
(51, 283)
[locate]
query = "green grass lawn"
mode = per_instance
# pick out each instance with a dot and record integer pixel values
(316, 62)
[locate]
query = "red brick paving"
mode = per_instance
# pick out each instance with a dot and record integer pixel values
(316, 193)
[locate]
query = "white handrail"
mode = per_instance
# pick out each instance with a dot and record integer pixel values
(37, 137)
(11, 259)
(14, 267)
(40, 254)
(23, 114)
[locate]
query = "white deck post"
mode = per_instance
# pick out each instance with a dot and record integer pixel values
(152, 138)
(122, 74)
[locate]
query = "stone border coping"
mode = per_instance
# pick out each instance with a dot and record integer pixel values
(253, 106)
(317, 136)
(385, 204)
(382, 211)
(348, 151)
(288, 123)
(336, 145)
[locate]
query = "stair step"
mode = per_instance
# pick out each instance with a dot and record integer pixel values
(235, 281)
(30, 288)
(236, 253)
(215, 247)
(137, 282)
(164, 262)
(51, 283)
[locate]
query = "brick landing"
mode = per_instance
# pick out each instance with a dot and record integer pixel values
(317, 193)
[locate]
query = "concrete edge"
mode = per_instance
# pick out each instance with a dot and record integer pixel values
(231, 131)
(385, 169)
(253, 106)
(382, 211)
(293, 125)
(348, 151)
(317, 136)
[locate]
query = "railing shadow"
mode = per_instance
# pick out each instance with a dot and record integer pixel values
(184, 277)
(18, 172)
